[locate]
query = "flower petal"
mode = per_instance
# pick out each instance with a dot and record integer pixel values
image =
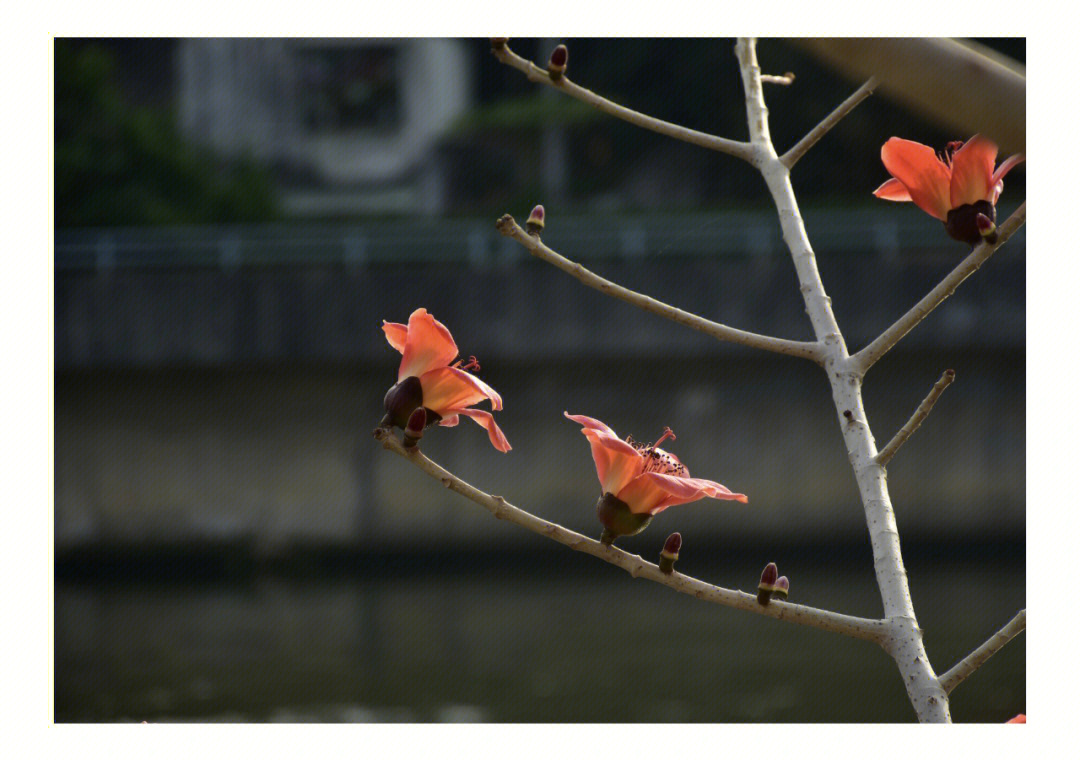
(973, 172)
(449, 388)
(486, 421)
(616, 460)
(428, 345)
(1007, 165)
(449, 421)
(396, 334)
(921, 172)
(997, 192)
(653, 492)
(589, 422)
(893, 190)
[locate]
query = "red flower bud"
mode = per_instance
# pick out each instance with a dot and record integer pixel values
(670, 553)
(535, 222)
(557, 62)
(767, 584)
(414, 431)
(780, 589)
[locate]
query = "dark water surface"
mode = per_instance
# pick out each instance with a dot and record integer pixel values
(508, 643)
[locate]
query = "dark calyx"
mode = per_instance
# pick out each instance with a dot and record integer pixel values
(617, 518)
(402, 400)
(961, 224)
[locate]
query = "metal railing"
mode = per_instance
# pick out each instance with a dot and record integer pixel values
(885, 230)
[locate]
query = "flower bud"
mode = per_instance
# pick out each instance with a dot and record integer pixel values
(498, 43)
(557, 62)
(414, 430)
(670, 553)
(535, 223)
(767, 584)
(987, 228)
(780, 589)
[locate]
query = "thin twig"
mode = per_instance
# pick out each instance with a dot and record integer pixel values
(912, 425)
(856, 627)
(805, 350)
(865, 359)
(537, 74)
(971, 663)
(830, 121)
(784, 79)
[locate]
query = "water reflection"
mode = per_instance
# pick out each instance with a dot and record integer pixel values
(586, 644)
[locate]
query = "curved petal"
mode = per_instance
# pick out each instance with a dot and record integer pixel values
(616, 460)
(589, 422)
(893, 190)
(486, 421)
(1007, 165)
(997, 192)
(973, 172)
(449, 388)
(428, 345)
(921, 172)
(653, 492)
(449, 421)
(396, 335)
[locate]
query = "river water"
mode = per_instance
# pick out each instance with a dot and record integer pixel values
(504, 641)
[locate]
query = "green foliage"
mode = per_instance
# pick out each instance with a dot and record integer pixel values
(122, 164)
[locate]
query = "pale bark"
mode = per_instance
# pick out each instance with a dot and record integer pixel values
(904, 641)
(961, 670)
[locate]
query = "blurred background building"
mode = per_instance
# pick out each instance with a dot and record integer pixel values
(234, 220)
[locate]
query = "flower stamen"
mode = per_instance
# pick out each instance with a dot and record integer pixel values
(655, 459)
(472, 366)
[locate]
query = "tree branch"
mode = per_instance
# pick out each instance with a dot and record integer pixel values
(868, 356)
(805, 350)
(904, 641)
(973, 661)
(830, 121)
(702, 139)
(856, 627)
(912, 425)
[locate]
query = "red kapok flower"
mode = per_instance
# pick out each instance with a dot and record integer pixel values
(1021, 718)
(639, 480)
(427, 379)
(954, 187)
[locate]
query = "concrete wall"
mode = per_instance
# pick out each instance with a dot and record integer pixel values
(204, 403)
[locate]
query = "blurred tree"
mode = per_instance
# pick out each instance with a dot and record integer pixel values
(122, 164)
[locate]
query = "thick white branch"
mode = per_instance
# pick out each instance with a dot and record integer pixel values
(507, 226)
(867, 357)
(856, 627)
(830, 121)
(912, 425)
(904, 642)
(973, 661)
(702, 139)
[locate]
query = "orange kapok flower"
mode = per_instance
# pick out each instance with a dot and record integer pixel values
(428, 380)
(1021, 718)
(956, 187)
(639, 481)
